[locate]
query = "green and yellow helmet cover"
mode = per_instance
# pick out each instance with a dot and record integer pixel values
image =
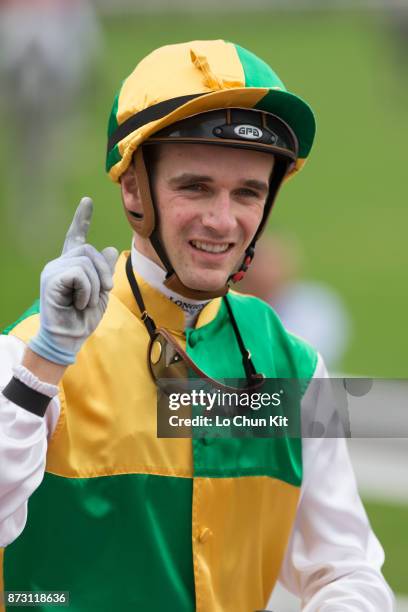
(181, 80)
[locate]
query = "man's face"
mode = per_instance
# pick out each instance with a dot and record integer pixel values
(210, 201)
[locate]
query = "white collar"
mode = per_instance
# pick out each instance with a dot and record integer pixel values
(155, 276)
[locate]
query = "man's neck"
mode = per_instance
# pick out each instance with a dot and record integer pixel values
(155, 276)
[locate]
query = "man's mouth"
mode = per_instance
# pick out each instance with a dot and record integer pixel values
(211, 247)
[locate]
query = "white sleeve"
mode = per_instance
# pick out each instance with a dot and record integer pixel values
(23, 447)
(333, 560)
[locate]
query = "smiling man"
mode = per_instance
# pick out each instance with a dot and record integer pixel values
(207, 218)
(92, 501)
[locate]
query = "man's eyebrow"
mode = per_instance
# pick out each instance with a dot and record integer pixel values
(187, 177)
(255, 184)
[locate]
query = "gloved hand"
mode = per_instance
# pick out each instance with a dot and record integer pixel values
(74, 292)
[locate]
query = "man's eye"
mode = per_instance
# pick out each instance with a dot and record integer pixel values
(248, 193)
(198, 187)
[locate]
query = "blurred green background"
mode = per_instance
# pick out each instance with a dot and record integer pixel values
(347, 208)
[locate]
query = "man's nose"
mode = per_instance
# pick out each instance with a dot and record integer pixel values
(219, 214)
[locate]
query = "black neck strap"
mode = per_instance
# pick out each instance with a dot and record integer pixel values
(246, 355)
(251, 373)
(147, 320)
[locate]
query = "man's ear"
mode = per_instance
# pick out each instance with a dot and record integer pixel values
(130, 191)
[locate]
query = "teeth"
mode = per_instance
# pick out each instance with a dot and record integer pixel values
(210, 248)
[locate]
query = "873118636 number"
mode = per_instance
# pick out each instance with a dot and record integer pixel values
(34, 598)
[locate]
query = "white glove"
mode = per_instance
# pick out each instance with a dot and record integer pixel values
(74, 292)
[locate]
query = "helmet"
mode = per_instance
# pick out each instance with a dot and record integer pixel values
(205, 92)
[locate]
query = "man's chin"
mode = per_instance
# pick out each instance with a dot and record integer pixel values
(208, 282)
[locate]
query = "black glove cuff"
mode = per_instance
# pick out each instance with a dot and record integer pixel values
(29, 399)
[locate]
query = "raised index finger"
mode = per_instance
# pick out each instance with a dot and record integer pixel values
(78, 230)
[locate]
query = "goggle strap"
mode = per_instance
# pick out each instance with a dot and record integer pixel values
(147, 320)
(249, 367)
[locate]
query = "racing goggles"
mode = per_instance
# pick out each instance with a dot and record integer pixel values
(169, 364)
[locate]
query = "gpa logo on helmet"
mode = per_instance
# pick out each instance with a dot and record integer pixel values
(249, 132)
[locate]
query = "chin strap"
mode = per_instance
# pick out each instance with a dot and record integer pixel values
(280, 170)
(173, 282)
(249, 255)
